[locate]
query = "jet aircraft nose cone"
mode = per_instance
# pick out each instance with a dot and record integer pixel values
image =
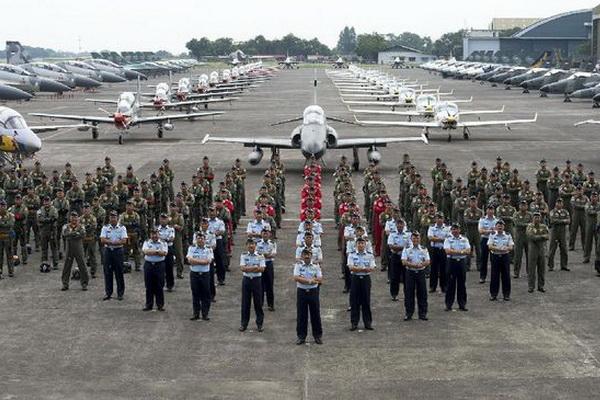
(545, 88)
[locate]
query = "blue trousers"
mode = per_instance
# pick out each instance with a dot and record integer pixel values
(113, 266)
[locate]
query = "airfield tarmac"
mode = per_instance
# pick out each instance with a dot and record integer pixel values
(71, 345)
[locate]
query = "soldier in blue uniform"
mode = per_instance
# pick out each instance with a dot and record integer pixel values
(437, 234)
(113, 237)
(457, 249)
(415, 259)
(397, 241)
(155, 251)
(199, 257)
(268, 249)
(308, 277)
(166, 233)
(361, 264)
(500, 244)
(252, 265)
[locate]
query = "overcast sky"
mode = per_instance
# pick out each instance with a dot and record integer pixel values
(153, 25)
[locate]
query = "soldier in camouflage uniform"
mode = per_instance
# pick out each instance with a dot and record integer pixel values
(156, 189)
(554, 183)
(578, 203)
(101, 215)
(90, 239)
(12, 187)
(120, 190)
(542, 176)
(26, 181)
(459, 207)
(526, 193)
(170, 177)
(446, 195)
(539, 205)
(140, 206)
(591, 185)
(37, 173)
(89, 187)
(67, 177)
(32, 202)
(47, 217)
(61, 204)
(7, 223)
(100, 180)
(108, 171)
(130, 180)
(471, 217)
(19, 212)
(55, 183)
(578, 176)
(559, 219)
(566, 192)
(472, 178)
(131, 221)
(513, 187)
(147, 194)
(505, 212)
(74, 232)
(177, 222)
(108, 201)
(521, 219)
(76, 196)
(537, 236)
(591, 222)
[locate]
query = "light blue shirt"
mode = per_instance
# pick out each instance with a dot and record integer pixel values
(209, 239)
(307, 271)
(252, 260)
(265, 247)
(154, 246)
(216, 225)
(300, 240)
(351, 245)
(457, 243)
(317, 254)
(503, 240)
(113, 233)
(487, 223)
(438, 232)
(317, 228)
(200, 252)
(418, 254)
(256, 228)
(361, 260)
(349, 231)
(401, 239)
(391, 226)
(166, 233)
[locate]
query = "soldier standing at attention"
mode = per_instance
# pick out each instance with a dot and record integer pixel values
(252, 265)
(472, 215)
(486, 227)
(131, 221)
(62, 206)
(19, 211)
(554, 184)
(47, 217)
(308, 277)
(542, 176)
(559, 219)
(200, 256)
(32, 202)
(113, 237)
(361, 264)
(591, 221)
(166, 233)
(415, 259)
(537, 235)
(398, 240)
(108, 171)
(268, 249)
(500, 244)
(7, 223)
(154, 251)
(437, 235)
(521, 219)
(74, 232)
(457, 249)
(90, 224)
(578, 203)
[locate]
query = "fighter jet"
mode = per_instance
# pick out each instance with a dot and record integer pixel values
(397, 64)
(339, 63)
(110, 67)
(163, 99)
(83, 68)
(425, 108)
(127, 115)
(288, 63)
(313, 138)
(7, 92)
(554, 75)
(28, 82)
(447, 117)
(577, 81)
(18, 140)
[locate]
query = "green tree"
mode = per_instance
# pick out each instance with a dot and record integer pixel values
(450, 44)
(369, 44)
(347, 41)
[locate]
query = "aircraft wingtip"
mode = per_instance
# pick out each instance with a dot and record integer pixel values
(205, 139)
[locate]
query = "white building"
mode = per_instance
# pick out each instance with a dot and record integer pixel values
(405, 54)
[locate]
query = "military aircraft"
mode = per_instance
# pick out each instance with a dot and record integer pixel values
(588, 122)
(577, 81)
(425, 108)
(313, 138)
(18, 140)
(553, 75)
(397, 64)
(83, 68)
(447, 117)
(26, 81)
(126, 116)
(405, 99)
(110, 67)
(288, 63)
(163, 99)
(7, 92)
(339, 63)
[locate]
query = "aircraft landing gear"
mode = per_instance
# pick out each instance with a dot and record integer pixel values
(543, 94)
(507, 88)
(449, 137)
(206, 106)
(159, 133)
(595, 105)
(120, 139)
(567, 99)
(466, 133)
(525, 91)
(95, 133)
(356, 162)
(494, 85)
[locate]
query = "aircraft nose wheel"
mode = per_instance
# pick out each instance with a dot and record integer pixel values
(120, 139)
(95, 134)
(449, 138)
(159, 133)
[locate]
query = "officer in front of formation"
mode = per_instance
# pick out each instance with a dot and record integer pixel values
(154, 251)
(437, 234)
(500, 244)
(200, 256)
(361, 264)
(308, 277)
(397, 241)
(73, 233)
(166, 233)
(415, 259)
(457, 250)
(113, 237)
(252, 265)
(268, 249)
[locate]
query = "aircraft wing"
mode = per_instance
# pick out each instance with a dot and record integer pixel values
(279, 143)
(205, 101)
(507, 123)
(386, 112)
(212, 94)
(48, 128)
(475, 112)
(379, 103)
(170, 117)
(82, 118)
(103, 101)
(406, 124)
(369, 142)
(589, 121)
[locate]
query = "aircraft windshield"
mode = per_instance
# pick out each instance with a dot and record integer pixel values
(449, 108)
(314, 115)
(427, 100)
(15, 122)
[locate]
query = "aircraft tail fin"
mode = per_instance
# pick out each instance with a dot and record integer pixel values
(15, 54)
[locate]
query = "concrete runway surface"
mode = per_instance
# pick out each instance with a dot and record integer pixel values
(71, 345)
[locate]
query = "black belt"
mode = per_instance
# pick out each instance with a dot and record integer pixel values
(309, 290)
(154, 262)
